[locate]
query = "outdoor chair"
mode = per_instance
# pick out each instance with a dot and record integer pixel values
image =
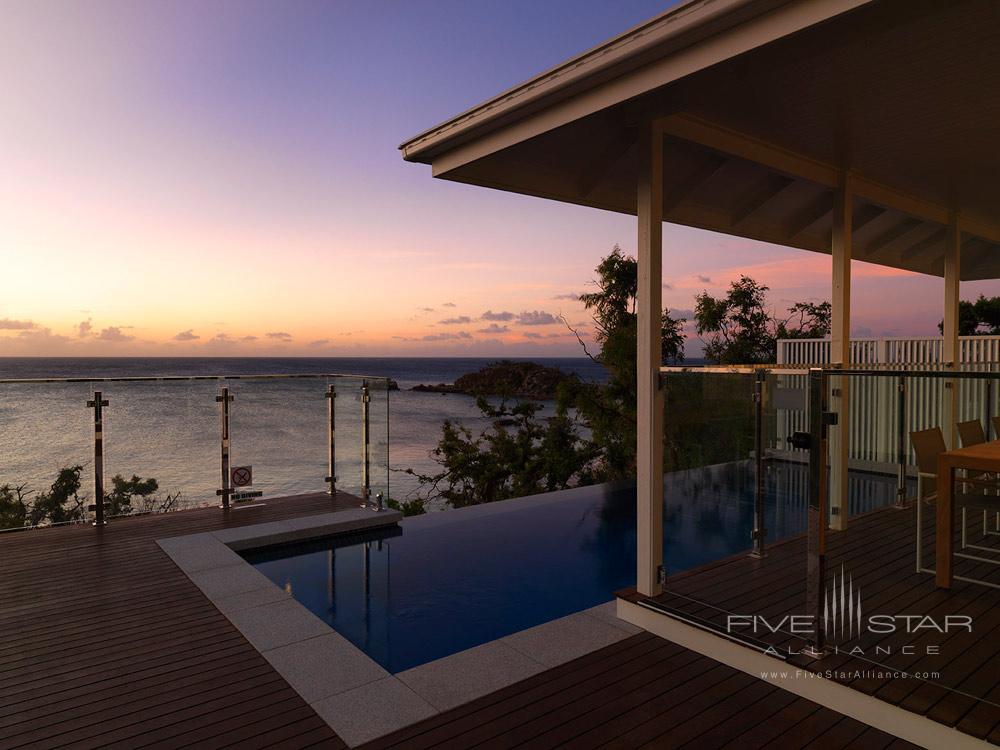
(967, 493)
(972, 433)
(996, 425)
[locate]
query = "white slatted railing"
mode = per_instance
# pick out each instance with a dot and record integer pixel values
(873, 400)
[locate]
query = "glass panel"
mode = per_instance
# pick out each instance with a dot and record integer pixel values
(162, 441)
(379, 437)
(160, 446)
(279, 429)
(349, 434)
(882, 613)
(786, 486)
(709, 473)
(44, 429)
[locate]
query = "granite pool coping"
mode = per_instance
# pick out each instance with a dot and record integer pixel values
(356, 696)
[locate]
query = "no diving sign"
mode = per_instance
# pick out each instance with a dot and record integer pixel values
(241, 476)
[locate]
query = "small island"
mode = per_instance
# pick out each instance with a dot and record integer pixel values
(517, 379)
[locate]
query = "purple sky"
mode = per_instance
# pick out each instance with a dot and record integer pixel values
(186, 178)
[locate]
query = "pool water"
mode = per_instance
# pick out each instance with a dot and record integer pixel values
(447, 581)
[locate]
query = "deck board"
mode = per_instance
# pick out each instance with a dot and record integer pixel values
(108, 644)
(877, 551)
(640, 692)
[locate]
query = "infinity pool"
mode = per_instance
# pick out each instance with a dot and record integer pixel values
(447, 581)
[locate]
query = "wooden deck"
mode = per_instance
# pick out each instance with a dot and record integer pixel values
(877, 554)
(643, 692)
(108, 644)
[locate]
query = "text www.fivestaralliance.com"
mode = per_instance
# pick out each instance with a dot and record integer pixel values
(848, 674)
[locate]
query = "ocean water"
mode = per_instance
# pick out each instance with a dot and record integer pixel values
(170, 430)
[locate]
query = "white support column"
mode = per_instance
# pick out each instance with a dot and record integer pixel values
(949, 349)
(840, 350)
(649, 402)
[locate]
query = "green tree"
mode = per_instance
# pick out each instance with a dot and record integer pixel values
(740, 327)
(137, 495)
(21, 506)
(14, 506)
(62, 502)
(608, 409)
(517, 455)
(979, 318)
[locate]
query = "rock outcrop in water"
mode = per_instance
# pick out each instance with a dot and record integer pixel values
(516, 379)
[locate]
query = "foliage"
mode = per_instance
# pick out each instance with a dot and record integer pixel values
(413, 507)
(740, 328)
(710, 419)
(812, 321)
(614, 315)
(979, 318)
(608, 409)
(136, 495)
(62, 502)
(21, 506)
(14, 506)
(517, 455)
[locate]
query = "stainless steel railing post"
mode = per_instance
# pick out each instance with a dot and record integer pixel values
(819, 419)
(365, 444)
(97, 404)
(759, 532)
(225, 399)
(901, 442)
(331, 433)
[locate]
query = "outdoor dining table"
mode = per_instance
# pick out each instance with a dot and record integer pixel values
(984, 457)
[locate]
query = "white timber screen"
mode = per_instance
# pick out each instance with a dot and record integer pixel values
(873, 400)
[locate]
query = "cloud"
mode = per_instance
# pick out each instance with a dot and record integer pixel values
(114, 333)
(704, 279)
(570, 296)
(319, 342)
(221, 338)
(461, 320)
(84, 328)
(490, 315)
(494, 328)
(680, 312)
(536, 318)
(667, 286)
(535, 336)
(426, 309)
(6, 324)
(279, 335)
(187, 335)
(449, 304)
(245, 338)
(444, 336)
(464, 335)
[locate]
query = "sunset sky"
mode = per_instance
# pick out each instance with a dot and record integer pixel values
(222, 178)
